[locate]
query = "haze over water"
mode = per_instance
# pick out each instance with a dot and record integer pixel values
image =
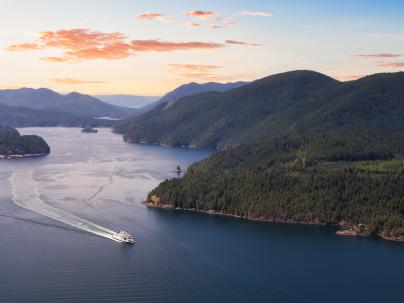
(179, 256)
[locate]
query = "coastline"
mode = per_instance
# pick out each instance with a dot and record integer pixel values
(342, 232)
(17, 156)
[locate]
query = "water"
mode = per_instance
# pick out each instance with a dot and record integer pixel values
(179, 256)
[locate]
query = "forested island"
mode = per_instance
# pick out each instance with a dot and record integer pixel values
(300, 148)
(12, 144)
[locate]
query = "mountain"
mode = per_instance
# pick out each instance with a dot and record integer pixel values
(295, 147)
(133, 101)
(12, 144)
(299, 102)
(73, 103)
(24, 117)
(196, 88)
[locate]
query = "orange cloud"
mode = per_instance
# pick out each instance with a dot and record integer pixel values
(54, 59)
(256, 14)
(371, 56)
(155, 16)
(84, 44)
(193, 25)
(213, 26)
(201, 15)
(162, 46)
(193, 67)
(22, 47)
(391, 64)
(76, 81)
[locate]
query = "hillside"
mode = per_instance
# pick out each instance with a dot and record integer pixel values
(73, 103)
(24, 117)
(299, 102)
(357, 183)
(12, 144)
(194, 88)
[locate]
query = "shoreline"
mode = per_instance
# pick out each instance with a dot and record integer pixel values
(341, 232)
(5, 157)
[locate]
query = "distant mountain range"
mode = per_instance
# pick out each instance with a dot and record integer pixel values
(197, 88)
(298, 102)
(133, 101)
(74, 103)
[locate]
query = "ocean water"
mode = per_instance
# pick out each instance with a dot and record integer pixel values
(178, 256)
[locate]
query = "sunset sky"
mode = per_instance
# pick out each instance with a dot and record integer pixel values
(148, 47)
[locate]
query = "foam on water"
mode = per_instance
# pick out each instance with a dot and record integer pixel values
(26, 195)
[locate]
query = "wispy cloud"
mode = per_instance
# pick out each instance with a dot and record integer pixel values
(202, 72)
(242, 43)
(155, 16)
(372, 56)
(201, 15)
(193, 67)
(22, 47)
(84, 44)
(256, 14)
(391, 64)
(74, 81)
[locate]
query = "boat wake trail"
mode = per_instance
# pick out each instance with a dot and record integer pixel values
(31, 200)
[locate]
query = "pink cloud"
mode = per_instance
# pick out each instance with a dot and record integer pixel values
(201, 15)
(391, 64)
(155, 16)
(371, 56)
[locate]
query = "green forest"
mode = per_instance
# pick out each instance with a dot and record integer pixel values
(12, 143)
(321, 180)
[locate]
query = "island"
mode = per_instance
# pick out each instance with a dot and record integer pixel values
(89, 130)
(13, 145)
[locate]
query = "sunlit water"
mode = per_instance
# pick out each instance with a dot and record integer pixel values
(179, 256)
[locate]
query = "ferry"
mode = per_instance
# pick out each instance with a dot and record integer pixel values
(124, 236)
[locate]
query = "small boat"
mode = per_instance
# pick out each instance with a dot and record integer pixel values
(124, 236)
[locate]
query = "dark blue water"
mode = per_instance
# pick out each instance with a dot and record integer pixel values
(179, 256)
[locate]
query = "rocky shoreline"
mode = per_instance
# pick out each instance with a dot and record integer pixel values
(4, 157)
(355, 231)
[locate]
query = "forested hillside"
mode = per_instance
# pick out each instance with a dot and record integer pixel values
(351, 181)
(299, 102)
(12, 144)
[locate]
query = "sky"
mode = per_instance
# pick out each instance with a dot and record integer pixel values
(148, 47)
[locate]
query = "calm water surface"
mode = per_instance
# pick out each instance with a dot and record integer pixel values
(179, 256)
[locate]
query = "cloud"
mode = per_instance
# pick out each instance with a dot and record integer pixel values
(193, 25)
(84, 44)
(210, 25)
(193, 67)
(371, 56)
(256, 14)
(391, 64)
(201, 15)
(22, 47)
(234, 42)
(164, 46)
(74, 81)
(155, 16)
(54, 59)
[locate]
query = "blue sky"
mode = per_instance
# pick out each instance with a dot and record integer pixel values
(171, 44)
